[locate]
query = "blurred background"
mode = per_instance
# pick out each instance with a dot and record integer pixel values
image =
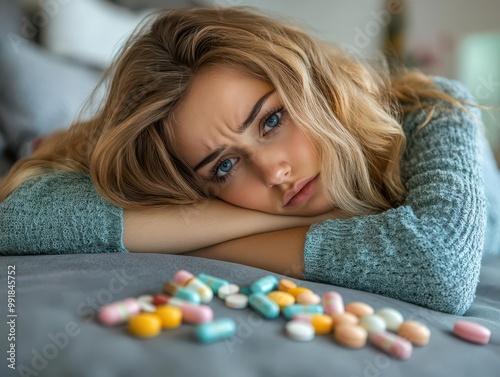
(52, 52)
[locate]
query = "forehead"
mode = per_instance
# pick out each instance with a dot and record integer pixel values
(218, 101)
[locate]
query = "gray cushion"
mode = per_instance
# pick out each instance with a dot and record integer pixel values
(40, 92)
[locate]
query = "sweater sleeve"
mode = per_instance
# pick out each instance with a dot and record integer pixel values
(59, 213)
(428, 251)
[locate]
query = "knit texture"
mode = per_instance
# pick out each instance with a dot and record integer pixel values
(59, 213)
(428, 251)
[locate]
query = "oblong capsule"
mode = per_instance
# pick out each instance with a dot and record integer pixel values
(219, 329)
(177, 290)
(291, 310)
(333, 303)
(264, 305)
(392, 344)
(188, 280)
(192, 313)
(213, 282)
(264, 285)
(119, 312)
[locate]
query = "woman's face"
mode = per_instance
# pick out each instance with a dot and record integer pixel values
(258, 168)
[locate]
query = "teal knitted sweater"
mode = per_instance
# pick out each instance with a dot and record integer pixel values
(427, 251)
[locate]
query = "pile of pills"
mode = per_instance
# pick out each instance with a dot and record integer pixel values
(185, 299)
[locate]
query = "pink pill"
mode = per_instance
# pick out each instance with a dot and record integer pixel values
(119, 312)
(473, 332)
(333, 303)
(392, 344)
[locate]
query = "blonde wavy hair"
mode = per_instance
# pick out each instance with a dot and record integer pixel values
(351, 111)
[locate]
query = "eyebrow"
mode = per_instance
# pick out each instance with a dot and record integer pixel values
(251, 117)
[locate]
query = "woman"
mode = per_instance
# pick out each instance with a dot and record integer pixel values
(218, 122)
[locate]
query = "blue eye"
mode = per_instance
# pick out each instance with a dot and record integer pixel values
(273, 120)
(225, 167)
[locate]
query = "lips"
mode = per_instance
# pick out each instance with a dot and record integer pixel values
(299, 186)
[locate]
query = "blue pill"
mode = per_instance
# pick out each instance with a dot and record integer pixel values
(265, 285)
(188, 295)
(213, 282)
(264, 305)
(219, 329)
(291, 310)
(245, 291)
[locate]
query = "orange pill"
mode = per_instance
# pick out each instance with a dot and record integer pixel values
(144, 325)
(170, 316)
(283, 299)
(308, 298)
(352, 336)
(285, 284)
(298, 290)
(344, 319)
(359, 309)
(415, 332)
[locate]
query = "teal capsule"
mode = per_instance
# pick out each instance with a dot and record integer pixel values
(264, 305)
(213, 282)
(245, 291)
(291, 310)
(265, 285)
(219, 329)
(187, 294)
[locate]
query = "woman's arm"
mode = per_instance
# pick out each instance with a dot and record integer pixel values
(281, 251)
(62, 213)
(189, 227)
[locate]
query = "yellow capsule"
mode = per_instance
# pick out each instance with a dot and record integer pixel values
(170, 316)
(144, 325)
(281, 298)
(298, 290)
(285, 284)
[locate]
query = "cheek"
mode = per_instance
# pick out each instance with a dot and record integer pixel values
(245, 191)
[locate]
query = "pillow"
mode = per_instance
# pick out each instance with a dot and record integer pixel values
(40, 91)
(90, 31)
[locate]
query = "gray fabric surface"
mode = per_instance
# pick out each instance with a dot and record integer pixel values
(54, 293)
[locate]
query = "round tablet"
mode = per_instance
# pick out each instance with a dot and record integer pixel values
(147, 307)
(298, 290)
(285, 284)
(281, 298)
(144, 325)
(473, 332)
(344, 319)
(415, 332)
(170, 316)
(236, 301)
(352, 336)
(372, 323)
(359, 309)
(308, 298)
(393, 318)
(227, 290)
(300, 331)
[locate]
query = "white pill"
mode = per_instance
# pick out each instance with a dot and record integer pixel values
(393, 319)
(146, 307)
(236, 301)
(300, 331)
(145, 298)
(227, 290)
(373, 323)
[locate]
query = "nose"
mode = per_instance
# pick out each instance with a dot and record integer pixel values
(273, 171)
